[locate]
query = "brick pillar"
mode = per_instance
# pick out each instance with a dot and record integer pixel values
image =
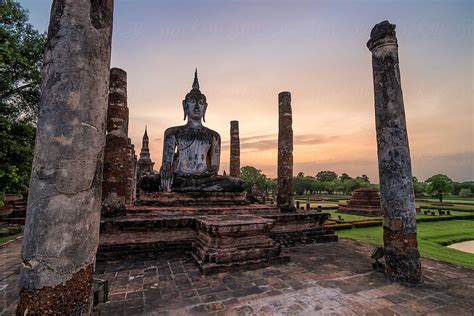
(131, 187)
(117, 162)
(64, 201)
(234, 149)
(396, 186)
(285, 197)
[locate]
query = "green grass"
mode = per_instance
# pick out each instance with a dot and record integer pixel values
(8, 238)
(349, 217)
(430, 237)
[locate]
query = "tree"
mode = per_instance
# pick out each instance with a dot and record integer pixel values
(300, 174)
(344, 177)
(304, 184)
(438, 185)
(21, 59)
(326, 176)
(254, 177)
(16, 153)
(418, 187)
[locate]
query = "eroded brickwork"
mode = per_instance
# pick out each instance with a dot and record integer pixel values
(285, 197)
(234, 166)
(116, 184)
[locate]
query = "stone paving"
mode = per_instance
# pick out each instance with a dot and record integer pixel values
(322, 279)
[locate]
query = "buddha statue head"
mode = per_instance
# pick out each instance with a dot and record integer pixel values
(195, 104)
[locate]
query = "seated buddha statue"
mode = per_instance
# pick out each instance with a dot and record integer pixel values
(191, 154)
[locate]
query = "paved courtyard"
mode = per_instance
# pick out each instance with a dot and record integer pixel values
(326, 279)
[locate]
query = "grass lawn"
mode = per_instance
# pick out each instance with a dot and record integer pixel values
(430, 237)
(349, 217)
(7, 238)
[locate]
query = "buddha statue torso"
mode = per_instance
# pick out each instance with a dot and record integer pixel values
(197, 150)
(191, 154)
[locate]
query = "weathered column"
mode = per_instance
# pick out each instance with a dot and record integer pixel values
(285, 197)
(132, 174)
(396, 187)
(62, 224)
(117, 162)
(234, 149)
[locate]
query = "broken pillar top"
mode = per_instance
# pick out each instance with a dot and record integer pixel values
(118, 74)
(382, 33)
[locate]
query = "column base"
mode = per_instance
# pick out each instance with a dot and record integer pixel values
(72, 298)
(402, 259)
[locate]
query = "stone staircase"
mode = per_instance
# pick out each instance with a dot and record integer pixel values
(151, 228)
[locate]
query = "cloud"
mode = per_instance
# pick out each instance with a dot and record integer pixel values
(270, 141)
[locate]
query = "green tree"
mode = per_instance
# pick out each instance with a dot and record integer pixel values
(326, 176)
(21, 59)
(344, 177)
(418, 187)
(304, 184)
(438, 185)
(16, 152)
(254, 177)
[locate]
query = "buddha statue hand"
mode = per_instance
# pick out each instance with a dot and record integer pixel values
(212, 171)
(166, 178)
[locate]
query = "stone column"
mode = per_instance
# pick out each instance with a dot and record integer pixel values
(285, 197)
(117, 162)
(64, 201)
(396, 187)
(234, 149)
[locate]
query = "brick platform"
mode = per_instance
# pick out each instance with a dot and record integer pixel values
(234, 243)
(148, 231)
(191, 198)
(321, 279)
(364, 201)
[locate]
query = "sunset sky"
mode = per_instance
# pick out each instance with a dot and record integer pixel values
(248, 51)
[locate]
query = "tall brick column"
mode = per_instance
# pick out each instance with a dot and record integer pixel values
(117, 162)
(64, 201)
(234, 166)
(285, 196)
(396, 186)
(132, 174)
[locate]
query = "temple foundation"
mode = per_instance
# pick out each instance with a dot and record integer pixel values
(285, 197)
(116, 185)
(234, 165)
(397, 198)
(62, 224)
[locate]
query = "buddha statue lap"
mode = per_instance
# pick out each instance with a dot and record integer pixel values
(191, 154)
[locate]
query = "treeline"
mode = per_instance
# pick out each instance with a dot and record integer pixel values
(328, 182)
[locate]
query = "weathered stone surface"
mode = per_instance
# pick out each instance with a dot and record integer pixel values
(234, 165)
(396, 185)
(235, 242)
(116, 185)
(285, 197)
(191, 153)
(62, 225)
(364, 201)
(194, 199)
(145, 164)
(215, 183)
